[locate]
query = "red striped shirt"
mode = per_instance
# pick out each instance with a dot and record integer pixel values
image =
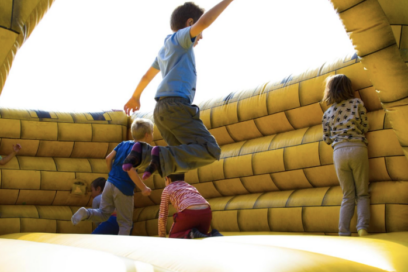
(181, 195)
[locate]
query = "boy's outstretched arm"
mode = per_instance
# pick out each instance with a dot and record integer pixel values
(109, 159)
(139, 183)
(208, 18)
(134, 102)
(16, 149)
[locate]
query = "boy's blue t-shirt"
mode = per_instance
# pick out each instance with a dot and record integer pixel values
(176, 62)
(117, 176)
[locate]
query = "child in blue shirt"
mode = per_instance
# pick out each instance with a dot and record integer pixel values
(190, 144)
(119, 188)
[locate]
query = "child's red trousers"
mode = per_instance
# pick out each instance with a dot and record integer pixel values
(186, 220)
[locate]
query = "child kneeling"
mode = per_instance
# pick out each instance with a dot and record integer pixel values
(110, 226)
(193, 217)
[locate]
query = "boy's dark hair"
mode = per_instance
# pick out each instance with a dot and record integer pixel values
(184, 12)
(338, 88)
(99, 182)
(176, 177)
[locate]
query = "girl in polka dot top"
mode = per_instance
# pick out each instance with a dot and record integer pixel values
(344, 125)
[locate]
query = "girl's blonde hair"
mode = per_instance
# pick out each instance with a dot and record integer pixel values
(338, 88)
(140, 127)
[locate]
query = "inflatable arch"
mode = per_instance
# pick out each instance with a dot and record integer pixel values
(276, 176)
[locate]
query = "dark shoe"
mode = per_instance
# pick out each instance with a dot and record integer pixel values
(215, 233)
(195, 233)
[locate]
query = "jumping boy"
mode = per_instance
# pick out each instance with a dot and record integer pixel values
(119, 189)
(193, 217)
(190, 144)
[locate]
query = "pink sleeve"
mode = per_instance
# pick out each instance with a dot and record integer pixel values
(163, 213)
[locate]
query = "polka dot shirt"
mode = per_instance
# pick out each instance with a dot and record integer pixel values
(345, 122)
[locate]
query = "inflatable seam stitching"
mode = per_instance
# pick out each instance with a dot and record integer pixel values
(72, 150)
(229, 201)
(385, 218)
(238, 215)
(215, 186)
(256, 126)
(352, 6)
(400, 99)
(286, 115)
(401, 35)
(9, 29)
(324, 197)
(90, 165)
(280, 189)
(287, 200)
(12, 15)
(304, 173)
(386, 168)
(376, 51)
(229, 133)
(55, 196)
(243, 185)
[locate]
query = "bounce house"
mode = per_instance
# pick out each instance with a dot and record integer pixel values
(274, 192)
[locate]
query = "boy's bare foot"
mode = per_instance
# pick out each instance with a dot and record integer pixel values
(154, 164)
(134, 158)
(80, 215)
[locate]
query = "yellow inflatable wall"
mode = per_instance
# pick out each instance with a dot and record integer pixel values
(275, 175)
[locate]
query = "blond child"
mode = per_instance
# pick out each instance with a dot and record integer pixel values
(344, 126)
(119, 189)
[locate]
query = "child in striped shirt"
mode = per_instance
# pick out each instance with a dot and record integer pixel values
(344, 126)
(193, 217)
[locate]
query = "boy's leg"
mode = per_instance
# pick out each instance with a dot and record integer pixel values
(360, 172)
(108, 227)
(180, 122)
(107, 205)
(124, 211)
(139, 157)
(146, 156)
(167, 135)
(345, 176)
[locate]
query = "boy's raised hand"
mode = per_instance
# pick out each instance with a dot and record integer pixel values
(134, 102)
(16, 148)
(208, 18)
(132, 105)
